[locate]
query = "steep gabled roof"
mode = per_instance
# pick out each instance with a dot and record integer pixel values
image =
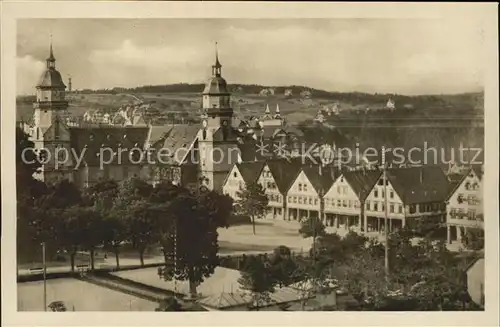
(90, 141)
(419, 184)
(250, 171)
(321, 182)
(176, 142)
(226, 300)
(284, 173)
(362, 181)
(455, 180)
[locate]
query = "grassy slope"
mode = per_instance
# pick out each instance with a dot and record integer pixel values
(246, 104)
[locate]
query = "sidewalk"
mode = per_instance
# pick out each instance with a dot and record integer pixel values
(124, 263)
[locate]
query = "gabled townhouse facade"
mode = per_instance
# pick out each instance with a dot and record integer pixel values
(241, 175)
(306, 192)
(464, 205)
(412, 193)
(276, 177)
(344, 201)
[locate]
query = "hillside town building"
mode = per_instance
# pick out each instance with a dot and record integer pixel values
(464, 205)
(196, 154)
(348, 199)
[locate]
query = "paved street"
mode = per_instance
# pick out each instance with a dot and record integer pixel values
(238, 240)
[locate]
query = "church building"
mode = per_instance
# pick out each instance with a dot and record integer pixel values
(197, 155)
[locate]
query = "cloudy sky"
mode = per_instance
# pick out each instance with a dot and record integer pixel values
(369, 55)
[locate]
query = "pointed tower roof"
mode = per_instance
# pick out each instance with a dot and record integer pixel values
(277, 108)
(267, 109)
(51, 77)
(217, 62)
(216, 84)
(51, 55)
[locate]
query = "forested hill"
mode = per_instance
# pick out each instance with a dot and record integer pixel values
(468, 101)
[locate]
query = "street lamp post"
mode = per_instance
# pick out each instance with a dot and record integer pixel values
(175, 257)
(386, 232)
(44, 278)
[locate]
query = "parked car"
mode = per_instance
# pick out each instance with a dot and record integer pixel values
(57, 306)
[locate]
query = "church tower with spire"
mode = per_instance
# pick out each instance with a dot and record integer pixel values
(217, 139)
(49, 130)
(50, 95)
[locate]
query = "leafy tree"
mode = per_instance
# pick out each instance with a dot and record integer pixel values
(283, 267)
(218, 207)
(102, 194)
(312, 276)
(253, 202)
(427, 226)
(60, 195)
(329, 246)
(91, 230)
(256, 278)
(196, 217)
(132, 189)
(114, 233)
(81, 227)
(27, 165)
(163, 195)
(45, 214)
(364, 276)
(312, 227)
(142, 221)
(102, 197)
(423, 276)
(140, 216)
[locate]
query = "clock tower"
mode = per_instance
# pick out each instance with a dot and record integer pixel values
(50, 95)
(50, 131)
(217, 139)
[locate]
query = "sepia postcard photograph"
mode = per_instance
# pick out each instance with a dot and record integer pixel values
(218, 158)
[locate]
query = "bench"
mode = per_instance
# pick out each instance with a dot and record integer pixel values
(36, 270)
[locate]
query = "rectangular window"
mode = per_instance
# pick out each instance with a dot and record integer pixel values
(367, 205)
(294, 199)
(310, 201)
(300, 187)
(375, 193)
(350, 203)
(375, 206)
(391, 208)
(472, 214)
(383, 194)
(344, 203)
(315, 202)
(391, 195)
(339, 203)
(338, 190)
(400, 208)
(305, 187)
(300, 200)
(422, 208)
(413, 208)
